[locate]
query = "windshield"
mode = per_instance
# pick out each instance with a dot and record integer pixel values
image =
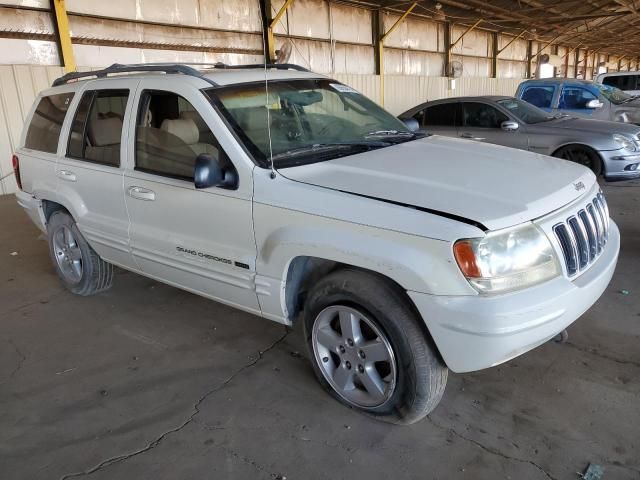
(306, 121)
(524, 111)
(613, 94)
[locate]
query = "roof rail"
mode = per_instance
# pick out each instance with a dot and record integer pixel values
(133, 68)
(278, 66)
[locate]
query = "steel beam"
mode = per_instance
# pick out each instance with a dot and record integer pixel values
(381, 40)
(271, 24)
(61, 24)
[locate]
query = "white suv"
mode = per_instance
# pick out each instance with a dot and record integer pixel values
(282, 192)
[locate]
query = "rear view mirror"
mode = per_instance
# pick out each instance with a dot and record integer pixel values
(509, 126)
(210, 173)
(412, 124)
(594, 104)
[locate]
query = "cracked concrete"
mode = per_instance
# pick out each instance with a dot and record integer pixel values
(226, 397)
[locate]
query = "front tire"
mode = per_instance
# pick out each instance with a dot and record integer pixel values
(369, 349)
(582, 155)
(79, 267)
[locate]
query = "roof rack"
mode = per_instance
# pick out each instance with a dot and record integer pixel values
(277, 66)
(133, 68)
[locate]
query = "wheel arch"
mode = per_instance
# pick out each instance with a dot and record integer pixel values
(595, 152)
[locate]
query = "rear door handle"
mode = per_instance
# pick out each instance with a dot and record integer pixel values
(67, 175)
(470, 136)
(141, 193)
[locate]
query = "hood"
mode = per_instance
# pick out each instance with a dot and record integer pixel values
(591, 126)
(495, 186)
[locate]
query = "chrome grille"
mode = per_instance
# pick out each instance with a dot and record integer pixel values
(583, 236)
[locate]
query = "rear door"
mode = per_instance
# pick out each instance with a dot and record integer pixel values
(439, 119)
(199, 240)
(483, 122)
(90, 173)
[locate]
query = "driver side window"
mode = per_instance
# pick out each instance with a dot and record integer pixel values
(170, 134)
(481, 115)
(575, 98)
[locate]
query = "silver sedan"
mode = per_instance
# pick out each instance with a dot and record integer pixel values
(608, 148)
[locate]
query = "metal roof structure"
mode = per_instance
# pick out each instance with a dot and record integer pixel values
(606, 26)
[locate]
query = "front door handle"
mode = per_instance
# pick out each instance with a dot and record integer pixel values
(470, 136)
(67, 175)
(141, 193)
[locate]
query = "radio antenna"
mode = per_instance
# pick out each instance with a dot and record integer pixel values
(263, 19)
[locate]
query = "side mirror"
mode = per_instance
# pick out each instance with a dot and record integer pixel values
(412, 124)
(209, 173)
(594, 104)
(509, 126)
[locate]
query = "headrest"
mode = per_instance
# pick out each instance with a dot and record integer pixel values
(195, 116)
(183, 128)
(106, 131)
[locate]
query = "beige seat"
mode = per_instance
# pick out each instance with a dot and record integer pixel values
(187, 131)
(105, 135)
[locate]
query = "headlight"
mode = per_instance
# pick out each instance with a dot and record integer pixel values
(624, 142)
(507, 259)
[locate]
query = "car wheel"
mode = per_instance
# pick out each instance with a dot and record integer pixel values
(582, 155)
(79, 267)
(369, 349)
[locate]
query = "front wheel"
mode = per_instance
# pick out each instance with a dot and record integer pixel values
(582, 155)
(369, 350)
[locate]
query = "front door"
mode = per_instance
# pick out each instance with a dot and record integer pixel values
(199, 240)
(574, 99)
(483, 122)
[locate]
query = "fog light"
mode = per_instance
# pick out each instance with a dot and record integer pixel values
(632, 168)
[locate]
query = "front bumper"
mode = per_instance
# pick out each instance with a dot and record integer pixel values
(33, 207)
(620, 167)
(476, 332)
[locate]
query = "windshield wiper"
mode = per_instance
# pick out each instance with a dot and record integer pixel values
(390, 133)
(322, 147)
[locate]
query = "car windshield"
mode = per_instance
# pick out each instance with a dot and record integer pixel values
(613, 94)
(306, 121)
(524, 111)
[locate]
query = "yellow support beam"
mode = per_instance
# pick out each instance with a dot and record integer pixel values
(381, 47)
(272, 24)
(510, 42)
(451, 47)
(64, 38)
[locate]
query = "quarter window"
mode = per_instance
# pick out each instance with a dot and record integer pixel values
(171, 134)
(443, 115)
(541, 97)
(481, 115)
(96, 132)
(44, 130)
(623, 82)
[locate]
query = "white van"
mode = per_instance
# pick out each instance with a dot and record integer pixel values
(628, 82)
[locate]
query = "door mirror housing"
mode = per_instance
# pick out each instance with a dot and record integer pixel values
(594, 104)
(210, 173)
(509, 126)
(412, 124)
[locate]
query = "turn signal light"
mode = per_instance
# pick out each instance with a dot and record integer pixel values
(466, 258)
(16, 170)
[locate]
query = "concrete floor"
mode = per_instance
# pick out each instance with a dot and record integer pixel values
(149, 382)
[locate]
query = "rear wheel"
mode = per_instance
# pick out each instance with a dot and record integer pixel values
(79, 267)
(582, 155)
(369, 350)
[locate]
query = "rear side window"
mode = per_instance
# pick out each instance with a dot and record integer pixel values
(96, 132)
(623, 82)
(46, 123)
(443, 115)
(541, 97)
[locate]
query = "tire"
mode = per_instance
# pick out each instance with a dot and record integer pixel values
(582, 155)
(79, 267)
(387, 323)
